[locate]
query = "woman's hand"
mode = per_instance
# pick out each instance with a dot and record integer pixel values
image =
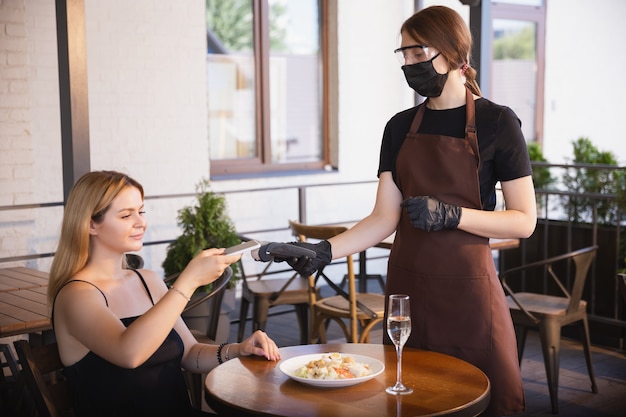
(204, 268)
(259, 344)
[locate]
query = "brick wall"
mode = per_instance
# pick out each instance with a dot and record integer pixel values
(16, 157)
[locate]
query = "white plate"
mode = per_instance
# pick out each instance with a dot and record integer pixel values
(290, 366)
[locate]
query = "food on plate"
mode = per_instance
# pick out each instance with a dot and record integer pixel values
(333, 366)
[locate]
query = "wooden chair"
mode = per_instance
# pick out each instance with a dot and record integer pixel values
(11, 382)
(550, 313)
(362, 309)
(264, 294)
(43, 375)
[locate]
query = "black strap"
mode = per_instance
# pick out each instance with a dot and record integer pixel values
(101, 292)
(74, 280)
(144, 285)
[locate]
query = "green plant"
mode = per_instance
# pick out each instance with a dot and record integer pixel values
(542, 177)
(204, 225)
(589, 180)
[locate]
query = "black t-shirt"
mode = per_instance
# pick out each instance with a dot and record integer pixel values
(503, 152)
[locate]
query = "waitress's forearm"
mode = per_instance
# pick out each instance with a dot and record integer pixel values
(498, 224)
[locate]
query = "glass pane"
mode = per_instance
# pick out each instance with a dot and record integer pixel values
(295, 83)
(230, 76)
(514, 72)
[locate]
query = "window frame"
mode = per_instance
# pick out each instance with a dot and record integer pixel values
(262, 163)
(536, 15)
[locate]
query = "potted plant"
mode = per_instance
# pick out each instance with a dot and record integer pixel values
(205, 224)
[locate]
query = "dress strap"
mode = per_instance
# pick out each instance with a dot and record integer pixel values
(144, 285)
(68, 282)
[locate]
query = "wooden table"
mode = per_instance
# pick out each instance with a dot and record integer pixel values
(442, 385)
(23, 303)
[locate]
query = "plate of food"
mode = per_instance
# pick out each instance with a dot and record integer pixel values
(332, 369)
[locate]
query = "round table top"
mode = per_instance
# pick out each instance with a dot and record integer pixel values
(442, 385)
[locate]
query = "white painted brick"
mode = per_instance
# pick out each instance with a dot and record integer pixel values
(6, 172)
(13, 44)
(15, 30)
(14, 128)
(16, 156)
(17, 114)
(13, 100)
(14, 73)
(17, 58)
(25, 197)
(12, 11)
(21, 143)
(18, 87)
(23, 172)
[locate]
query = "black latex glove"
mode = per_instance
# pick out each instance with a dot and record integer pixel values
(430, 214)
(306, 266)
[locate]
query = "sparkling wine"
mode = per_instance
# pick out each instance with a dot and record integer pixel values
(399, 329)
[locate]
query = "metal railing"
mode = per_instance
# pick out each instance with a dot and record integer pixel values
(552, 204)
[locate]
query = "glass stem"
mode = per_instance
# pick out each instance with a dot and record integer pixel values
(399, 365)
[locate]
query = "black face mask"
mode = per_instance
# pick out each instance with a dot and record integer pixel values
(423, 78)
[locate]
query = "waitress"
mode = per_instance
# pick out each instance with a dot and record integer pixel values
(439, 164)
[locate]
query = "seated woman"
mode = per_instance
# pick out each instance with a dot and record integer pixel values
(119, 331)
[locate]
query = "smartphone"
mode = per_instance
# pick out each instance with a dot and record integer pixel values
(242, 247)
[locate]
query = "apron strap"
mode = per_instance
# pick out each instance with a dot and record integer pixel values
(470, 125)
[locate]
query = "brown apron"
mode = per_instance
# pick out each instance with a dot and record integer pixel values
(458, 306)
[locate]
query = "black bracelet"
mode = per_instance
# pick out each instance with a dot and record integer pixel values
(219, 352)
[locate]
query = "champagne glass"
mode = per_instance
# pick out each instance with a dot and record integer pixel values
(399, 329)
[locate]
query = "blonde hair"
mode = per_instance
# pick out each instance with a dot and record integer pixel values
(89, 200)
(445, 30)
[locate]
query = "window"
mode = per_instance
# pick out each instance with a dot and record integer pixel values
(266, 89)
(517, 73)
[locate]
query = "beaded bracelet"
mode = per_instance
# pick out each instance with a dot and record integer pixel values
(219, 353)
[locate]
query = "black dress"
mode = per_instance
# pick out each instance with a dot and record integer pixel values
(155, 388)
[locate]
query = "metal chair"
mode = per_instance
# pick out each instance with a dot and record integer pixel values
(134, 261)
(550, 313)
(194, 380)
(44, 379)
(362, 309)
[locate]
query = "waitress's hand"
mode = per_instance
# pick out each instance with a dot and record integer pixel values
(430, 214)
(306, 266)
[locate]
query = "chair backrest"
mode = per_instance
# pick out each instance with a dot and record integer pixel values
(43, 374)
(582, 259)
(305, 232)
(217, 292)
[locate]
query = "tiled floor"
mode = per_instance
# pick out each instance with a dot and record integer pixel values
(575, 396)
